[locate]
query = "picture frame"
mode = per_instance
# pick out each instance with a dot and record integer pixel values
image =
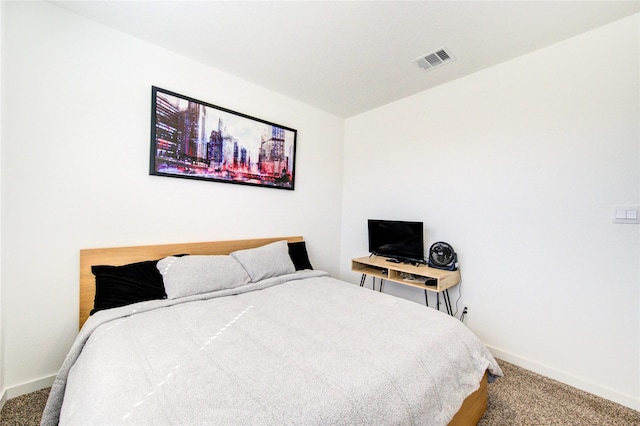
(193, 139)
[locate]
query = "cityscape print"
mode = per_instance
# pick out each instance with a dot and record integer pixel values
(196, 140)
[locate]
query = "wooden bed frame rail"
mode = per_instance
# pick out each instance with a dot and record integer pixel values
(473, 407)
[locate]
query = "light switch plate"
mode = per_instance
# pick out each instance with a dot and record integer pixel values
(626, 214)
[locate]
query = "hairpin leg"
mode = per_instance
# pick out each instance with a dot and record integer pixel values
(447, 302)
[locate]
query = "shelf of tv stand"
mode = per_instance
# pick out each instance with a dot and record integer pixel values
(381, 267)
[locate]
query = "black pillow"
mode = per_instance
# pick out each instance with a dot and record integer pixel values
(122, 285)
(299, 257)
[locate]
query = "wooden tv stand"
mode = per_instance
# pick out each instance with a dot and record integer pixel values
(420, 276)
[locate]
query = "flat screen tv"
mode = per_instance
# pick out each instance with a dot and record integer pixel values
(396, 239)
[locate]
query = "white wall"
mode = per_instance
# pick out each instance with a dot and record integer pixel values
(518, 167)
(2, 392)
(75, 153)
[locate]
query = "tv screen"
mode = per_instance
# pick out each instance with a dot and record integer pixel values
(399, 240)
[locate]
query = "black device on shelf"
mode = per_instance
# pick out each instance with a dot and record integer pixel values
(397, 239)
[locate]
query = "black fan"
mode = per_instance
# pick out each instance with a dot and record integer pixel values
(442, 256)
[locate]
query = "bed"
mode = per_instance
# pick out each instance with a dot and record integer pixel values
(247, 332)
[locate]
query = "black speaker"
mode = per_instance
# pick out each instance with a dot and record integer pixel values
(443, 256)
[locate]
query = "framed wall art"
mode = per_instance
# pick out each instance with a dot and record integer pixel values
(197, 140)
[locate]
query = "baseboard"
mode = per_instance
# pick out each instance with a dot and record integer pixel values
(3, 399)
(584, 385)
(28, 387)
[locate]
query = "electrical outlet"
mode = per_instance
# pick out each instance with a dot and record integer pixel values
(466, 312)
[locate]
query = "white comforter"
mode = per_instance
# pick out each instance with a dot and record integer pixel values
(302, 349)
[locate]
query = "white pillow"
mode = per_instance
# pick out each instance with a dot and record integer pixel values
(189, 275)
(271, 260)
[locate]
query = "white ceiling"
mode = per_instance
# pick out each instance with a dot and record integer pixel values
(347, 57)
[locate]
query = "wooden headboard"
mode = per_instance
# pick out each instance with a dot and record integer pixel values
(118, 256)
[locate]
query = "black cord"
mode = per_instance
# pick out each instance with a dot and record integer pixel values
(459, 297)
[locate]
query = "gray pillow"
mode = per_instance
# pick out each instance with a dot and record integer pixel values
(271, 260)
(189, 275)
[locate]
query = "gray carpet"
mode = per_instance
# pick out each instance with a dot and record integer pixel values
(24, 410)
(519, 398)
(522, 397)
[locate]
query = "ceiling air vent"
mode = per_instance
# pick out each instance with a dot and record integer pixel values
(435, 59)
